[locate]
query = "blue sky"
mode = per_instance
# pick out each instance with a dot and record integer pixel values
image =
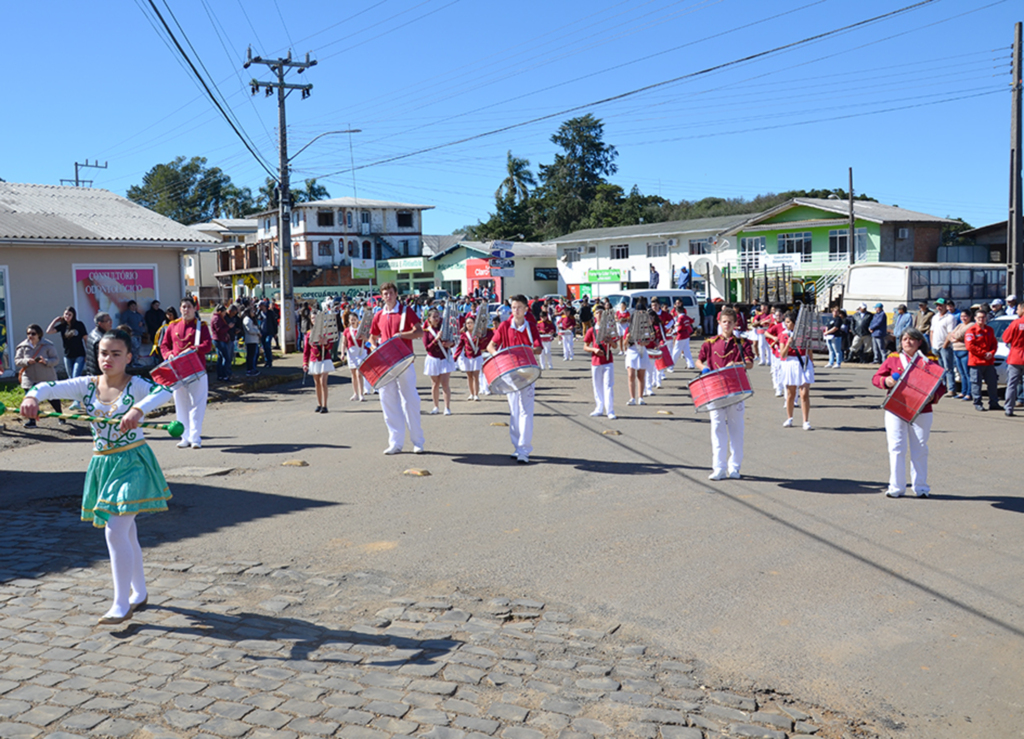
(917, 103)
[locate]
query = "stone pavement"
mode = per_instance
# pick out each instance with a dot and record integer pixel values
(243, 649)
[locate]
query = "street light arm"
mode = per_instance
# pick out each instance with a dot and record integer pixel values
(326, 133)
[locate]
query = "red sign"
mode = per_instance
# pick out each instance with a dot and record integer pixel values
(478, 269)
(574, 290)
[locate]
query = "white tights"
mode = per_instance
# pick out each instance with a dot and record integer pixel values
(125, 564)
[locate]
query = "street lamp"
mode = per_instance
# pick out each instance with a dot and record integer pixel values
(320, 136)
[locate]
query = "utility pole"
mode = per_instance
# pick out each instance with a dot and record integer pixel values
(284, 199)
(851, 244)
(1014, 229)
(78, 182)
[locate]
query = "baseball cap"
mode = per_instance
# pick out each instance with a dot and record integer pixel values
(1011, 298)
(941, 301)
(863, 305)
(879, 305)
(997, 301)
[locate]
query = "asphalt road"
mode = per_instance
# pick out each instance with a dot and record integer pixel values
(801, 577)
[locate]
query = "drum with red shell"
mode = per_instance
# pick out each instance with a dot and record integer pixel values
(914, 390)
(511, 369)
(720, 388)
(176, 372)
(387, 362)
(664, 360)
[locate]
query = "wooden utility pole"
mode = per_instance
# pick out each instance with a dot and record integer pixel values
(286, 328)
(1014, 231)
(851, 243)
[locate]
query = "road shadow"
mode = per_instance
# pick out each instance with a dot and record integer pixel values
(825, 485)
(273, 448)
(1011, 503)
(601, 467)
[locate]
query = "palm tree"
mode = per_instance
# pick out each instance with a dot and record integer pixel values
(516, 185)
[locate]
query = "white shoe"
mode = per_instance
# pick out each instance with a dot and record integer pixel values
(183, 444)
(435, 411)
(807, 425)
(598, 412)
(893, 493)
(734, 475)
(641, 402)
(690, 366)
(485, 392)
(522, 459)
(197, 445)
(631, 402)
(612, 416)
(447, 411)
(355, 397)
(648, 393)
(417, 450)
(787, 423)
(393, 450)
(778, 394)
(717, 476)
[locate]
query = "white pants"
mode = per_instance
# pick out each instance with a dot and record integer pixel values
(682, 347)
(764, 352)
(401, 405)
(545, 355)
(727, 439)
(190, 408)
(567, 345)
(520, 425)
(777, 375)
(603, 377)
(899, 434)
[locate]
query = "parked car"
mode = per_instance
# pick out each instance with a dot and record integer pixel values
(666, 297)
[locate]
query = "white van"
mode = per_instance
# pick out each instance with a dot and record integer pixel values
(667, 297)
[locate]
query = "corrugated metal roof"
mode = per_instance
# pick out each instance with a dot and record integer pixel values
(519, 248)
(664, 228)
(792, 225)
(879, 212)
(59, 213)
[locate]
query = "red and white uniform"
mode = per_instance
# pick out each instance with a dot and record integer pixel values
(726, 423)
(189, 400)
(317, 357)
(900, 435)
(469, 352)
(355, 352)
(399, 400)
(683, 331)
(439, 360)
(772, 334)
(547, 333)
(602, 374)
(567, 329)
(520, 403)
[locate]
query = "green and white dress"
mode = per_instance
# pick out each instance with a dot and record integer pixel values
(124, 476)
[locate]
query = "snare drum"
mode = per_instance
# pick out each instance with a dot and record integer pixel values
(720, 388)
(387, 363)
(914, 390)
(511, 369)
(176, 372)
(664, 360)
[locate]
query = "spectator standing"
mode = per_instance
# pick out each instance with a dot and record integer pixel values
(221, 334)
(35, 359)
(268, 330)
(653, 279)
(955, 339)
(251, 335)
(1011, 305)
(879, 327)
(901, 321)
(136, 324)
(586, 315)
(92, 342)
(834, 339)
(154, 320)
(923, 318)
(981, 346)
(72, 333)
(997, 309)
(1013, 336)
(861, 332)
(942, 326)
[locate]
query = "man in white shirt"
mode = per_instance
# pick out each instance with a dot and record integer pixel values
(942, 325)
(399, 400)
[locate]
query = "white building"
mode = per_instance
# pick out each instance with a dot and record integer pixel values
(202, 264)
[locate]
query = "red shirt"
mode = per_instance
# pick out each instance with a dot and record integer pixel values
(894, 364)
(778, 332)
(1014, 336)
(466, 346)
(622, 315)
(980, 340)
(665, 318)
(567, 323)
(388, 323)
(316, 352)
(722, 351)
(546, 328)
(684, 326)
(180, 336)
(604, 357)
(432, 341)
(507, 336)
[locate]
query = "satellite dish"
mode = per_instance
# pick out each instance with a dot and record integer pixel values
(702, 265)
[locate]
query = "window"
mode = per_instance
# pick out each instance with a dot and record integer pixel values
(620, 251)
(700, 246)
(796, 243)
(572, 255)
(838, 250)
(752, 248)
(353, 247)
(325, 248)
(903, 233)
(364, 217)
(657, 249)
(325, 218)
(404, 247)
(299, 250)
(405, 220)
(348, 219)
(367, 250)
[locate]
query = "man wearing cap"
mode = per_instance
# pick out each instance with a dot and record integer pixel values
(942, 325)
(997, 309)
(923, 318)
(879, 328)
(1011, 305)
(981, 347)
(861, 320)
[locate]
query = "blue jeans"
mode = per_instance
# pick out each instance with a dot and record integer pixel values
(987, 374)
(268, 355)
(947, 361)
(252, 352)
(960, 357)
(835, 349)
(878, 347)
(75, 367)
(223, 359)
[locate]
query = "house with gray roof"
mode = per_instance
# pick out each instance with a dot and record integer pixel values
(83, 247)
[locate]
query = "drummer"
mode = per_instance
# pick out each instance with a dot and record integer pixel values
(899, 433)
(546, 327)
(189, 400)
(399, 400)
(726, 350)
(519, 330)
(602, 369)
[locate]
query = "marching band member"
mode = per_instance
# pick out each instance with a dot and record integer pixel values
(602, 370)
(760, 322)
(124, 477)
(547, 332)
(438, 364)
(470, 355)
(636, 369)
(773, 335)
(355, 353)
(622, 316)
(567, 330)
(653, 374)
(189, 400)
(517, 331)
(900, 434)
(726, 350)
(316, 360)
(684, 330)
(795, 371)
(399, 400)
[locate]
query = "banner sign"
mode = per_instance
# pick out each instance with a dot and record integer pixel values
(109, 287)
(604, 275)
(362, 269)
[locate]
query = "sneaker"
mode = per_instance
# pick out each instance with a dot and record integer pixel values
(324, 409)
(631, 402)
(417, 450)
(893, 493)
(922, 494)
(612, 417)
(735, 475)
(435, 411)
(807, 425)
(183, 444)
(447, 411)
(1009, 412)
(522, 459)
(30, 423)
(596, 413)
(690, 366)
(717, 476)
(641, 402)
(197, 445)
(393, 450)
(355, 397)
(979, 407)
(787, 423)
(995, 407)
(318, 409)
(778, 394)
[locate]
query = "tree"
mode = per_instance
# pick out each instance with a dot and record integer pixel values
(190, 192)
(518, 181)
(312, 192)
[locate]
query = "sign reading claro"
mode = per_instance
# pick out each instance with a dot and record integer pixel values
(481, 272)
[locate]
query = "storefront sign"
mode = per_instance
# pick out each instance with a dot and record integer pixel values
(362, 269)
(109, 287)
(406, 264)
(478, 269)
(604, 275)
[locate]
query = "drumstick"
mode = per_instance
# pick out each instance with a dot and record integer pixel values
(174, 428)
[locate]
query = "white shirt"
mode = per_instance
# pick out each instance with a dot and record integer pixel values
(941, 327)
